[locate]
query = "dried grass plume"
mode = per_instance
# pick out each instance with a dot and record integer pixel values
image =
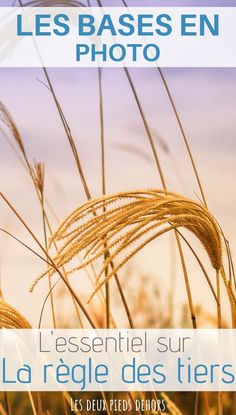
(10, 318)
(123, 223)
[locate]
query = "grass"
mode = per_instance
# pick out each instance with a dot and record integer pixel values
(127, 218)
(10, 318)
(110, 230)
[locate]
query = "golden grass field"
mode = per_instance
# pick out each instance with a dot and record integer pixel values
(102, 237)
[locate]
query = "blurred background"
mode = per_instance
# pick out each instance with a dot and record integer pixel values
(206, 100)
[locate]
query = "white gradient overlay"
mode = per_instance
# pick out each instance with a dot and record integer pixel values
(175, 50)
(207, 357)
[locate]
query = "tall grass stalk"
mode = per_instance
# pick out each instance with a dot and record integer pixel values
(2, 410)
(39, 176)
(7, 403)
(193, 316)
(50, 261)
(36, 175)
(163, 181)
(162, 177)
(74, 151)
(79, 166)
(184, 135)
(82, 176)
(101, 112)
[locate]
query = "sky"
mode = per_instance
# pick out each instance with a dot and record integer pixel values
(206, 101)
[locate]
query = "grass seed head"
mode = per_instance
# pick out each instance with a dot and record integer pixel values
(123, 223)
(10, 318)
(8, 120)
